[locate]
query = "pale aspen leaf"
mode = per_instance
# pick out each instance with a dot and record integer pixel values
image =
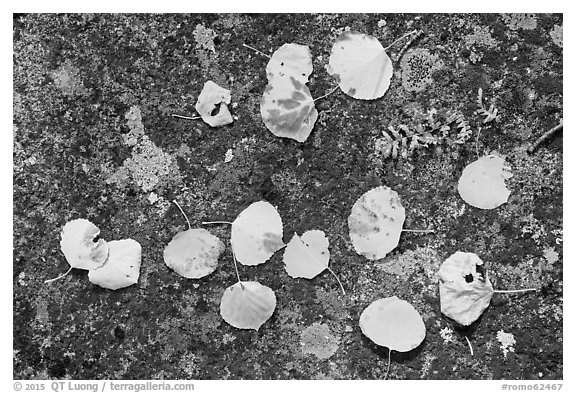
(375, 222)
(193, 253)
(79, 247)
(256, 233)
(482, 182)
(360, 65)
(307, 256)
(465, 290)
(290, 60)
(393, 323)
(288, 109)
(211, 96)
(122, 268)
(247, 304)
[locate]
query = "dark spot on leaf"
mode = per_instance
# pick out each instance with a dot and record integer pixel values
(297, 85)
(288, 103)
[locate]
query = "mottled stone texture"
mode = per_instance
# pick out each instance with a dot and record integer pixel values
(94, 138)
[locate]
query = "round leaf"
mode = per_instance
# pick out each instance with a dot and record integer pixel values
(375, 222)
(290, 60)
(465, 291)
(307, 256)
(361, 66)
(482, 182)
(211, 96)
(393, 323)
(193, 253)
(256, 234)
(79, 247)
(122, 268)
(287, 109)
(247, 305)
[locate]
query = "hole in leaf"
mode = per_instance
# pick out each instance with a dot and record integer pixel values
(469, 278)
(215, 110)
(480, 270)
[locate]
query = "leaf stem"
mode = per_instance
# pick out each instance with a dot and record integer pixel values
(515, 290)
(388, 369)
(477, 138)
(469, 345)
(401, 38)
(186, 117)
(256, 50)
(216, 222)
(337, 279)
(236, 268)
(184, 214)
(59, 277)
(327, 94)
(419, 230)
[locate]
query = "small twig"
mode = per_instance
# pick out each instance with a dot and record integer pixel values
(515, 290)
(59, 277)
(546, 135)
(469, 346)
(256, 50)
(186, 117)
(337, 279)
(184, 214)
(401, 38)
(406, 45)
(327, 94)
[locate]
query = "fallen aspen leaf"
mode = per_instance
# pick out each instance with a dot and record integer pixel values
(122, 268)
(193, 253)
(290, 60)
(465, 291)
(307, 256)
(375, 222)
(287, 108)
(393, 323)
(256, 233)
(211, 96)
(247, 305)
(79, 247)
(360, 65)
(482, 182)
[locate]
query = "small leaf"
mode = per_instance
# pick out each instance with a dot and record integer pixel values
(290, 60)
(211, 96)
(482, 182)
(307, 256)
(256, 234)
(361, 66)
(288, 109)
(122, 268)
(193, 253)
(79, 247)
(465, 291)
(393, 323)
(375, 222)
(247, 305)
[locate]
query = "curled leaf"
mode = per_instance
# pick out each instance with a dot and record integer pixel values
(290, 60)
(256, 233)
(307, 256)
(193, 253)
(79, 247)
(247, 305)
(122, 268)
(482, 182)
(465, 291)
(360, 65)
(393, 323)
(211, 96)
(375, 222)
(287, 108)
